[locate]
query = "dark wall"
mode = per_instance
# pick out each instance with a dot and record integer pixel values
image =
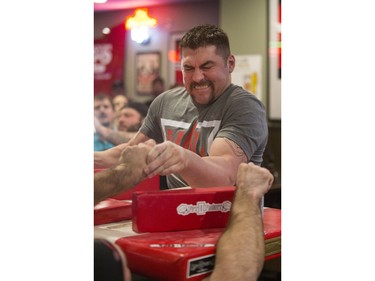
(272, 161)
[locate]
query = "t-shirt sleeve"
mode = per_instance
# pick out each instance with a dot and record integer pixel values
(245, 123)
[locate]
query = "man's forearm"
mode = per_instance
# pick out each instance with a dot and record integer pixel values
(217, 169)
(104, 185)
(113, 181)
(117, 137)
(240, 251)
(125, 173)
(209, 171)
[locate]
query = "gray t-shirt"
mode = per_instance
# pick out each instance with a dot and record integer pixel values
(236, 115)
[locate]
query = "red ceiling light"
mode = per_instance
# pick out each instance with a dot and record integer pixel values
(140, 18)
(139, 25)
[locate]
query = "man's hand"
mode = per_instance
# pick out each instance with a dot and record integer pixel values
(125, 175)
(132, 162)
(164, 159)
(254, 179)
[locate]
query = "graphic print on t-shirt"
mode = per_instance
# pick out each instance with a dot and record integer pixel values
(195, 136)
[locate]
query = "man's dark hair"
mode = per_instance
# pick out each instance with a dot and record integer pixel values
(205, 35)
(140, 107)
(104, 96)
(107, 262)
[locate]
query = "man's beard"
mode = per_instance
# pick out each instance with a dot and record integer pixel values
(133, 128)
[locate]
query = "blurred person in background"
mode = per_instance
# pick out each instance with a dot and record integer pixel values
(119, 101)
(104, 114)
(131, 116)
(129, 119)
(119, 98)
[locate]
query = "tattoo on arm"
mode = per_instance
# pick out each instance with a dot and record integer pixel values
(237, 150)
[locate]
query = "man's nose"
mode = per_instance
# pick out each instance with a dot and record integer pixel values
(198, 75)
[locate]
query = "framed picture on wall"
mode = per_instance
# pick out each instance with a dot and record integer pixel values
(274, 58)
(147, 69)
(248, 73)
(174, 59)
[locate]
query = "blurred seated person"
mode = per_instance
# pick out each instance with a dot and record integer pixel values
(119, 98)
(129, 120)
(104, 114)
(131, 116)
(119, 101)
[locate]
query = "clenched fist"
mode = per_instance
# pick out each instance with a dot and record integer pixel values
(254, 179)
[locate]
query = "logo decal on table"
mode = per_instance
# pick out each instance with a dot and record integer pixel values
(202, 207)
(199, 266)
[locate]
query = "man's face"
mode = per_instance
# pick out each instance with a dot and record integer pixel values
(104, 111)
(119, 101)
(205, 74)
(129, 120)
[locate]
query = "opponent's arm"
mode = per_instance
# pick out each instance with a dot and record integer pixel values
(240, 250)
(108, 134)
(119, 137)
(110, 157)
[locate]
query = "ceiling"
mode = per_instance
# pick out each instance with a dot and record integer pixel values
(112, 5)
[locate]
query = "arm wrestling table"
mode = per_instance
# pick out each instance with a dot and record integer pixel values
(178, 254)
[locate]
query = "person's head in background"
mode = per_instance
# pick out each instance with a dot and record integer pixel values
(206, 63)
(157, 86)
(119, 101)
(103, 109)
(109, 262)
(118, 94)
(131, 116)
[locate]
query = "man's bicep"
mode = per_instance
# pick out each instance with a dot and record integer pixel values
(229, 149)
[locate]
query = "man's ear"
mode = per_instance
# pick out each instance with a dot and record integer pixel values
(231, 62)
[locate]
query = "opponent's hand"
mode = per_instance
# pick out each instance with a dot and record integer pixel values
(254, 179)
(125, 175)
(133, 161)
(164, 159)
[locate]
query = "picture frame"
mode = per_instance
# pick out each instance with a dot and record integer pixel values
(274, 59)
(248, 73)
(174, 59)
(148, 67)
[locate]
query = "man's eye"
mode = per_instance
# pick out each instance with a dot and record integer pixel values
(207, 67)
